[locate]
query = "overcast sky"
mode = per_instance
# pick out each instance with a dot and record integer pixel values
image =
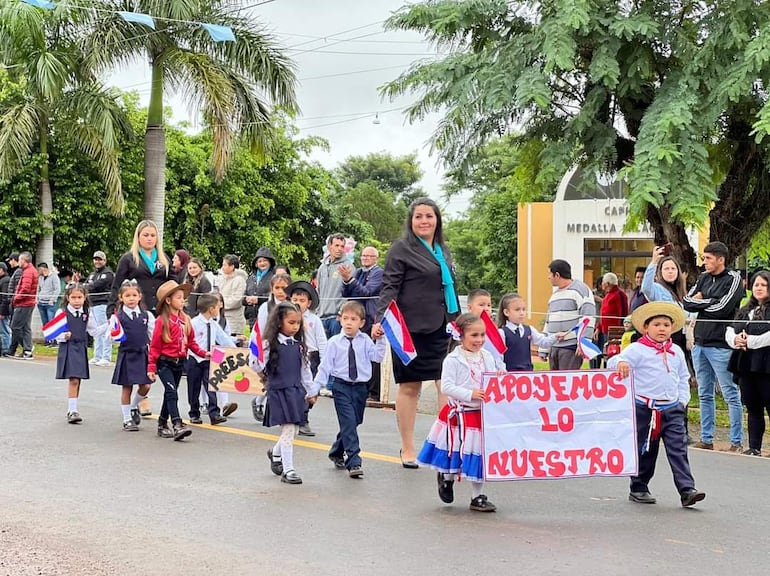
(343, 56)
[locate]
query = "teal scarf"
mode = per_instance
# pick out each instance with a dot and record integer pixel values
(150, 260)
(446, 277)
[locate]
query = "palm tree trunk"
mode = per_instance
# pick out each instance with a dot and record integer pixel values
(44, 251)
(155, 155)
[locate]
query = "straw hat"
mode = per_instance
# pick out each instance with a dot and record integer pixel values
(652, 309)
(167, 289)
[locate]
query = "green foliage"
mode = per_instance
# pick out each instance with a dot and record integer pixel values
(484, 242)
(649, 88)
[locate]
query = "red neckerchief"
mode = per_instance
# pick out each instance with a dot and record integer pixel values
(659, 347)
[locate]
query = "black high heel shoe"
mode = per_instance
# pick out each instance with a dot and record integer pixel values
(408, 464)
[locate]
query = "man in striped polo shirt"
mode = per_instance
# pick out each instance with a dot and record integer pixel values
(571, 300)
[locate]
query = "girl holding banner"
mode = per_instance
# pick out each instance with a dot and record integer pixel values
(453, 447)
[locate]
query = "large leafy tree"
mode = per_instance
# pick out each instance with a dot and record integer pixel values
(233, 84)
(673, 94)
(53, 90)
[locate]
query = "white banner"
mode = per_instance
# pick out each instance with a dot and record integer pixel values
(561, 424)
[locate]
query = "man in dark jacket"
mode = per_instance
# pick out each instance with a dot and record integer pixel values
(99, 285)
(5, 309)
(715, 297)
(258, 284)
(365, 285)
(24, 301)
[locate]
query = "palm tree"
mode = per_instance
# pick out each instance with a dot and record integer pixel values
(233, 84)
(57, 93)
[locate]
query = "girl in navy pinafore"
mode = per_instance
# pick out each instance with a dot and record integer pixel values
(518, 336)
(289, 384)
(72, 357)
(131, 367)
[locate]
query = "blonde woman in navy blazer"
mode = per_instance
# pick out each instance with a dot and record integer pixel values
(419, 276)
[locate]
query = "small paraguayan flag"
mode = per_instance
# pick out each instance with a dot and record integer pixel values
(585, 346)
(494, 343)
(138, 18)
(116, 329)
(219, 33)
(57, 325)
(256, 346)
(397, 333)
(40, 4)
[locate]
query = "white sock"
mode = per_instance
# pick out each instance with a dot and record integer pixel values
(203, 397)
(478, 488)
(126, 409)
(288, 431)
(135, 402)
(450, 477)
(224, 398)
(277, 451)
(72, 405)
(261, 399)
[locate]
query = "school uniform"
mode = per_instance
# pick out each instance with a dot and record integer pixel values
(208, 333)
(72, 357)
(131, 364)
(662, 389)
(348, 365)
(519, 339)
(288, 383)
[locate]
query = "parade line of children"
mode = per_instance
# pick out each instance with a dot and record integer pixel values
(160, 347)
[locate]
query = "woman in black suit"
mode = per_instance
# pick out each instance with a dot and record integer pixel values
(146, 263)
(418, 275)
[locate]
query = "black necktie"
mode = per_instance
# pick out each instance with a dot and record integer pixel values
(135, 314)
(352, 368)
(208, 336)
(77, 314)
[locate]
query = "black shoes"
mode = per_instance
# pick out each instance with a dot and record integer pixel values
(408, 464)
(691, 496)
(257, 410)
(164, 431)
(181, 431)
(446, 489)
(752, 452)
(482, 504)
(218, 420)
(338, 461)
(305, 430)
(196, 420)
(641, 497)
(74, 417)
(229, 408)
(136, 418)
(291, 477)
(276, 466)
(356, 472)
(129, 426)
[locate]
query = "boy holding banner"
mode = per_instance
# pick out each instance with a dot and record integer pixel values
(662, 387)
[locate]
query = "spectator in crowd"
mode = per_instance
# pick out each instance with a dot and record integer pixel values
(715, 298)
(571, 301)
(364, 285)
(195, 277)
(637, 296)
(614, 308)
(14, 271)
(232, 285)
(179, 263)
(750, 359)
(48, 291)
(329, 283)
(5, 309)
(258, 283)
(99, 285)
(418, 276)
(24, 300)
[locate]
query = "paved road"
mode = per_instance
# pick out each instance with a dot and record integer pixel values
(95, 500)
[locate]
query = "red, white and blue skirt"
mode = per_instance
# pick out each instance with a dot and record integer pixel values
(453, 445)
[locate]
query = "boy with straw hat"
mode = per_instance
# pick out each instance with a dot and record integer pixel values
(662, 389)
